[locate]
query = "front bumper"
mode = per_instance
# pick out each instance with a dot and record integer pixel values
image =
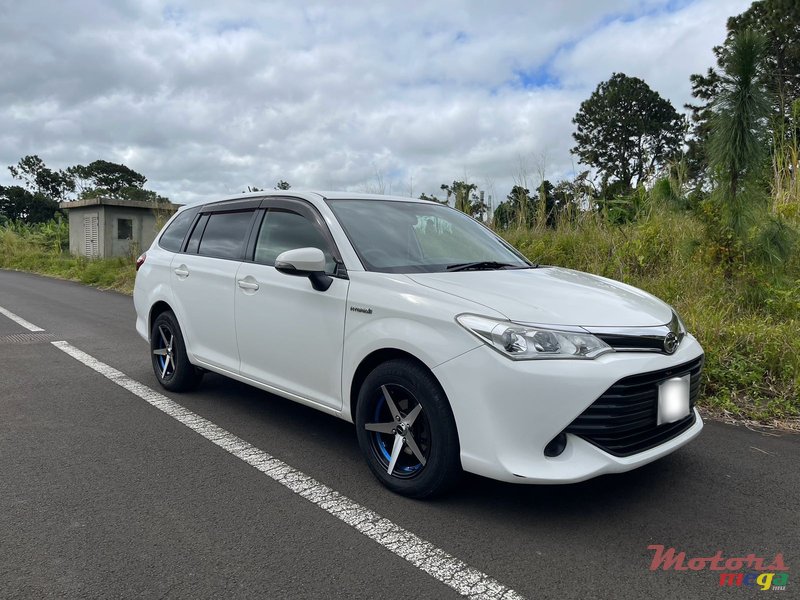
(507, 411)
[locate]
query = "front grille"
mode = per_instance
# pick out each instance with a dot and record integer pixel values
(641, 343)
(623, 420)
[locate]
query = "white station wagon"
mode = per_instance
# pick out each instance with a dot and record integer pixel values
(445, 346)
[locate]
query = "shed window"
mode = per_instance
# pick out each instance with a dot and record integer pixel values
(124, 229)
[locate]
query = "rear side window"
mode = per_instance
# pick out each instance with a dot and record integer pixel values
(194, 238)
(172, 238)
(225, 234)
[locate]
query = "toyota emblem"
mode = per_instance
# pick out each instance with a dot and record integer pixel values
(671, 342)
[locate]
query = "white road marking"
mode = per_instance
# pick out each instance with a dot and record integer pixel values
(437, 563)
(19, 320)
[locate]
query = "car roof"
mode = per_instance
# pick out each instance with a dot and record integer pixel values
(363, 196)
(313, 195)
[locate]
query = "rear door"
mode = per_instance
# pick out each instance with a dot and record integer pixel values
(290, 335)
(204, 283)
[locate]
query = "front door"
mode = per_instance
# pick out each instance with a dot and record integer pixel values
(290, 335)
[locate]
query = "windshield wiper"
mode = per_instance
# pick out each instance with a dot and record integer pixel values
(482, 265)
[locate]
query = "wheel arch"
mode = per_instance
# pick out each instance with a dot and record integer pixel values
(368, 364)
(157, 309)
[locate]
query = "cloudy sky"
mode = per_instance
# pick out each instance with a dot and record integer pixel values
(208, 97)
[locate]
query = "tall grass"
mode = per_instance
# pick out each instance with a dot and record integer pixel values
(786, 166)
(43, 248)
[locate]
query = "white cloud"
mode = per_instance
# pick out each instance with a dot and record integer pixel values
(663, 49)
(206, 98)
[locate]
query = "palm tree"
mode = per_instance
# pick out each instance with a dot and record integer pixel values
(738, 142)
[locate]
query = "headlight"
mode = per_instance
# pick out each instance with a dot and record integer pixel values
(524, 342)
(676, 325)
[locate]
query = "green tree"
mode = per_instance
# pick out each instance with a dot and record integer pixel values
(778, 21)
(704, 89)
(104, 179)
(520, 206)
(111, 177)
(19, 204)
(521, 209)
(283, 185)
(738, 142)
(125, 193)
(431, 198)
(573, 196)
(39, 179)
(44, 188)
(14, 200)
(737, 150)
(111, 180)
(626, 131)
(503, 216)
(546, 204)
(465, 198)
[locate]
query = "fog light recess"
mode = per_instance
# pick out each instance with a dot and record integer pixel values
(556, 446)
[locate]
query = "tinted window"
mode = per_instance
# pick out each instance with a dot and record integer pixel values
(172, 238)
(225, 234)
(194, 238)
(409, 237)
(283, 230)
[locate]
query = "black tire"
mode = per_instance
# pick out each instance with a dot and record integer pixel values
(433, 430)
(168, 353)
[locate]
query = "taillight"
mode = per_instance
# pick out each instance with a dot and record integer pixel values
(140, 261)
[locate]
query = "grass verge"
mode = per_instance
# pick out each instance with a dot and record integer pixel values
(34, 253)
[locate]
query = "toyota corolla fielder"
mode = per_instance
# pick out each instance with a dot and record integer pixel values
(443, 344)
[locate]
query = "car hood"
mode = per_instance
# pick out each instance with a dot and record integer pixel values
(553, 296)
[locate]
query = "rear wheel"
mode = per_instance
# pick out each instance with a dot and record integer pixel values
(406, 430)
(168, 352)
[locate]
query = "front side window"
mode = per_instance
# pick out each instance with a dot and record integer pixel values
(283, 230)
(420, 237)
(225, 234)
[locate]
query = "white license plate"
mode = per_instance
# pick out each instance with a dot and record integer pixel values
(673, 399)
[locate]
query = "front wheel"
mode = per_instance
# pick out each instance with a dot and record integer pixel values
(406, 430)
(168, 352)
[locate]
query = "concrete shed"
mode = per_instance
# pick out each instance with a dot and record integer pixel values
(104, 227)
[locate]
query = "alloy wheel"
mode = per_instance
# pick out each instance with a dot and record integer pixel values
(164, 351)
(400, 433)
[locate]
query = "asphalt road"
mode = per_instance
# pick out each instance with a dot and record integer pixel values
(103, 496)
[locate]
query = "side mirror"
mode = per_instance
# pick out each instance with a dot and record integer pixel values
(305, 262)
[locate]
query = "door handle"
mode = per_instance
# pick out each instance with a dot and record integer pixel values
(182, 271)
(247, 285)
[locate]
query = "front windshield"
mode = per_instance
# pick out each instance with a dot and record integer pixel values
(420, 237)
